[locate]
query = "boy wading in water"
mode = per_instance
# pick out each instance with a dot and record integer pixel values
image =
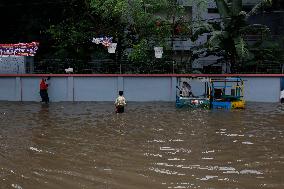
(120, 103)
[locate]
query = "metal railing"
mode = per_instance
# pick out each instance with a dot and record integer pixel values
(109, 66)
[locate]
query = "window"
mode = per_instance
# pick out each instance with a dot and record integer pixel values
(213, 10)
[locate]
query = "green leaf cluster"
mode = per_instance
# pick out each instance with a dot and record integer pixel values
(131, 23)
(227, 38)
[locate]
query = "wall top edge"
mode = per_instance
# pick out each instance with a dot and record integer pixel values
(141, 75)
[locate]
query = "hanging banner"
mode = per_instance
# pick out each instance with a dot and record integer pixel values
(112, 47)
(19, 49)
(158, 52)
(105, 41)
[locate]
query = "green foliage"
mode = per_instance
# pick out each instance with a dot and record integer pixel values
(224, 11)
(229, 38)
(216, 39)
(200, 28)
(136, 24)
(109, 9)
(260, 6)
(269, 51)
(201, 8)
(71, 38)
(140, 51)
(242, 49)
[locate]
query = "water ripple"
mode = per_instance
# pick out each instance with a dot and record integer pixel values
(153, 145)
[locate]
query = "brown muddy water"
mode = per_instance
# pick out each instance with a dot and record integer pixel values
(151, 146)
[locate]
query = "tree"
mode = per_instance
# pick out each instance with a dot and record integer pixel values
(227, 38)
(137, 26)
(268, 54)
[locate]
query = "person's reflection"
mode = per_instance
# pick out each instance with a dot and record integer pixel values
(120, 124)
(43, 115)
(40, 133)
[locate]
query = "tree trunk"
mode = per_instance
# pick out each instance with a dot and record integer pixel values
(233, 63)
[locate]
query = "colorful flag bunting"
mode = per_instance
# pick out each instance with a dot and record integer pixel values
(105, 41)
(19, 49)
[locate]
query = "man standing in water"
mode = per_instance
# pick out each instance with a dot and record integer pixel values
(43, 91)
(185, 90)
(120, 102)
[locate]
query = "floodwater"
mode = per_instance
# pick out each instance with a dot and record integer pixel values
(151, 146)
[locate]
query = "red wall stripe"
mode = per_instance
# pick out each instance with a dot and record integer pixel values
(142, 75)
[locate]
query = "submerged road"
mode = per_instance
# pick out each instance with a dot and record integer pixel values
(152, 145)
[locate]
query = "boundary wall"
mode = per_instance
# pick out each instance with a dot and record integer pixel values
(136, 87)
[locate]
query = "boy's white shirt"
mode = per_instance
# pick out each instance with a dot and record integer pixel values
(282, 94)
(120, 100)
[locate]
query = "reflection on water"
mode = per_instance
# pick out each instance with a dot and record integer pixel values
(153, 145)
